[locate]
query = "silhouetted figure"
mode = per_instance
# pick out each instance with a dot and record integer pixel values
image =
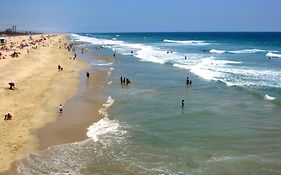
(132, 52)
(182, 103)
(8, 117)
(12, 86)
(127, 81)
(185, 57)
(121, 80)
(87, 74)
(114, 55)
(60, 108)
(59, 67)
(190, 82)
(187, 80)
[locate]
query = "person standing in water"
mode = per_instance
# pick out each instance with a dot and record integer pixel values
(187, 80)
(60, 108)
(182, 103)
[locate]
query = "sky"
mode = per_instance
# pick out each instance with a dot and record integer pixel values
(141, 15)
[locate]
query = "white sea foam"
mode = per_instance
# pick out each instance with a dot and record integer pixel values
(104, 64)
(230, 158)
(105, 125)
(217, 51)
(103, 110)
(150, 54)
(267, 97)
(183, 66)
(210, 69)
(96, 41)
(273, 55)
(245, 51)
(102, 127)
(230, 72)
(186, 42)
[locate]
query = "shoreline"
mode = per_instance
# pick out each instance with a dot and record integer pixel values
(34, 102)
(80, 112)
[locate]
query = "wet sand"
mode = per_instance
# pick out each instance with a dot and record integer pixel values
(78, 113)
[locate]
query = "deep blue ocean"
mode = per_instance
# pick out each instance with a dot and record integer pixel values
(230, 122)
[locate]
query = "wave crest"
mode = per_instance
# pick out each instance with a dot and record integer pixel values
(187, 42)
(273, 55)
(217, 51)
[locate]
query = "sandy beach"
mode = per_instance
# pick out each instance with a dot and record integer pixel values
(39, 89)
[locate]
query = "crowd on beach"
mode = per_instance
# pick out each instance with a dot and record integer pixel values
(13, 48)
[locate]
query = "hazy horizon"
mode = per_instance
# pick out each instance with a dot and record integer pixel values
(141, 16)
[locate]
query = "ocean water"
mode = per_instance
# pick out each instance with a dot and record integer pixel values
(230, 124)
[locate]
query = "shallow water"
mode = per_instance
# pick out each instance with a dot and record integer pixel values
(230, 124)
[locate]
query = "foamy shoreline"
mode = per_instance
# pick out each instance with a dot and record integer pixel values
(40, 88)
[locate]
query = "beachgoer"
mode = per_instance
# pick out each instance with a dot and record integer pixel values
(87, 74)
(127, 81)
(190, 82)
(60, 108)
(121, 80)
(12, 86)
(187, 80)
(8, 117)
(182, 103)
(114, 55)
(185, 57)
(59, 67)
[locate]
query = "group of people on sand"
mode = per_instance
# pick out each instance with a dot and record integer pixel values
(11, 48)
(15, 54)
(60, 68)
(124, 80)
(24, 43)
(8, 117)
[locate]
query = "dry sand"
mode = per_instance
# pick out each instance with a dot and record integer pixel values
(40, 88)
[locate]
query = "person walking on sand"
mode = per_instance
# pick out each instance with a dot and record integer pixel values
(87, 74)
(60, 108)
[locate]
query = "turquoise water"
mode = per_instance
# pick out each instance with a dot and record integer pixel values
(230, 124)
